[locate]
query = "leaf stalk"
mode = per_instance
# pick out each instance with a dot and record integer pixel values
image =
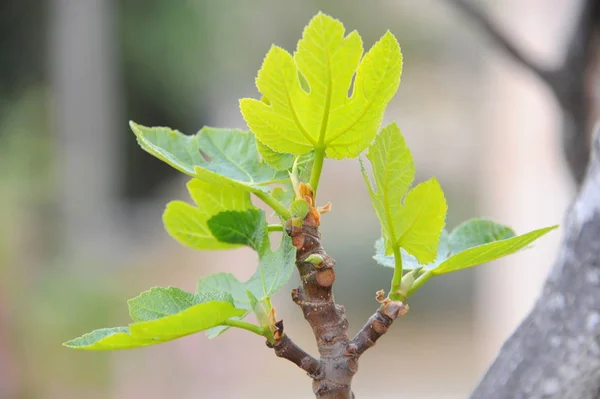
(246, 326)
(397, 278)
(275, 227)
(315, 174)
(419, 282)
(274, 204)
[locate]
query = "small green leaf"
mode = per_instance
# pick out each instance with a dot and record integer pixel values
(473, 243)
(218, 156)
(274, 268)
(194, 319)
(301, 169)
(421, 221)
(188, 224)
(393, 173)
(300, 208)
(162, 314)
(161, 302)
(307, 95)
(315, 259)
(228, 283)
(273, 272)
(476, 232)
(246, 228)
(108, 339)
(489, 252)
(224, 282)
(416, 224)
(409, 262)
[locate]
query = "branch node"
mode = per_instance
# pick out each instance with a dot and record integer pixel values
(326, 277)
(351, 349)
(394, 309)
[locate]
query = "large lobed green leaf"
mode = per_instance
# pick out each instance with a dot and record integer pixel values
(160, 315)
(305, 102)
(473, 243)
(412, 220)
(218, 156)
(188, 224)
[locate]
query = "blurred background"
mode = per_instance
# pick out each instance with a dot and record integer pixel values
(81, 204)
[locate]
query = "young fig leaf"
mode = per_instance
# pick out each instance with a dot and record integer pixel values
(218, 156)
(473, 243)
(274, 268)
(300, 208)
(421, 220)
(246, 228)
(307, 103)
(490, 251)
(475, 232)
(412, 221)
(188, 224)
(409, 262)
(160, 315)
(224, 283)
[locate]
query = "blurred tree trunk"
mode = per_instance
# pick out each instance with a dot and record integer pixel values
(555, 352)
(84, 79)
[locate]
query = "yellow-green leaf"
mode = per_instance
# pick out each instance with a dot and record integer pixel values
(108, 339)
(160, 315)
(219, 156)
(250, 228)
(305, 102)
(421, 220)
(393, 173)
(412, 221)
(474, 242)
(488, 252)
(188, 224)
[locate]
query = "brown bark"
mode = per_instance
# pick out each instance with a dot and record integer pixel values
(286, 348)
(326, 318)
(376, 326)
(332, 373)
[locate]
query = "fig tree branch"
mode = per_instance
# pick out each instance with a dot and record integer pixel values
(332, 374)
(376, 326)
(326, 318)
(286, 348)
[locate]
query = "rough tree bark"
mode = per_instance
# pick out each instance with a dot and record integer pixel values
(332, 373)
(555, 352)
